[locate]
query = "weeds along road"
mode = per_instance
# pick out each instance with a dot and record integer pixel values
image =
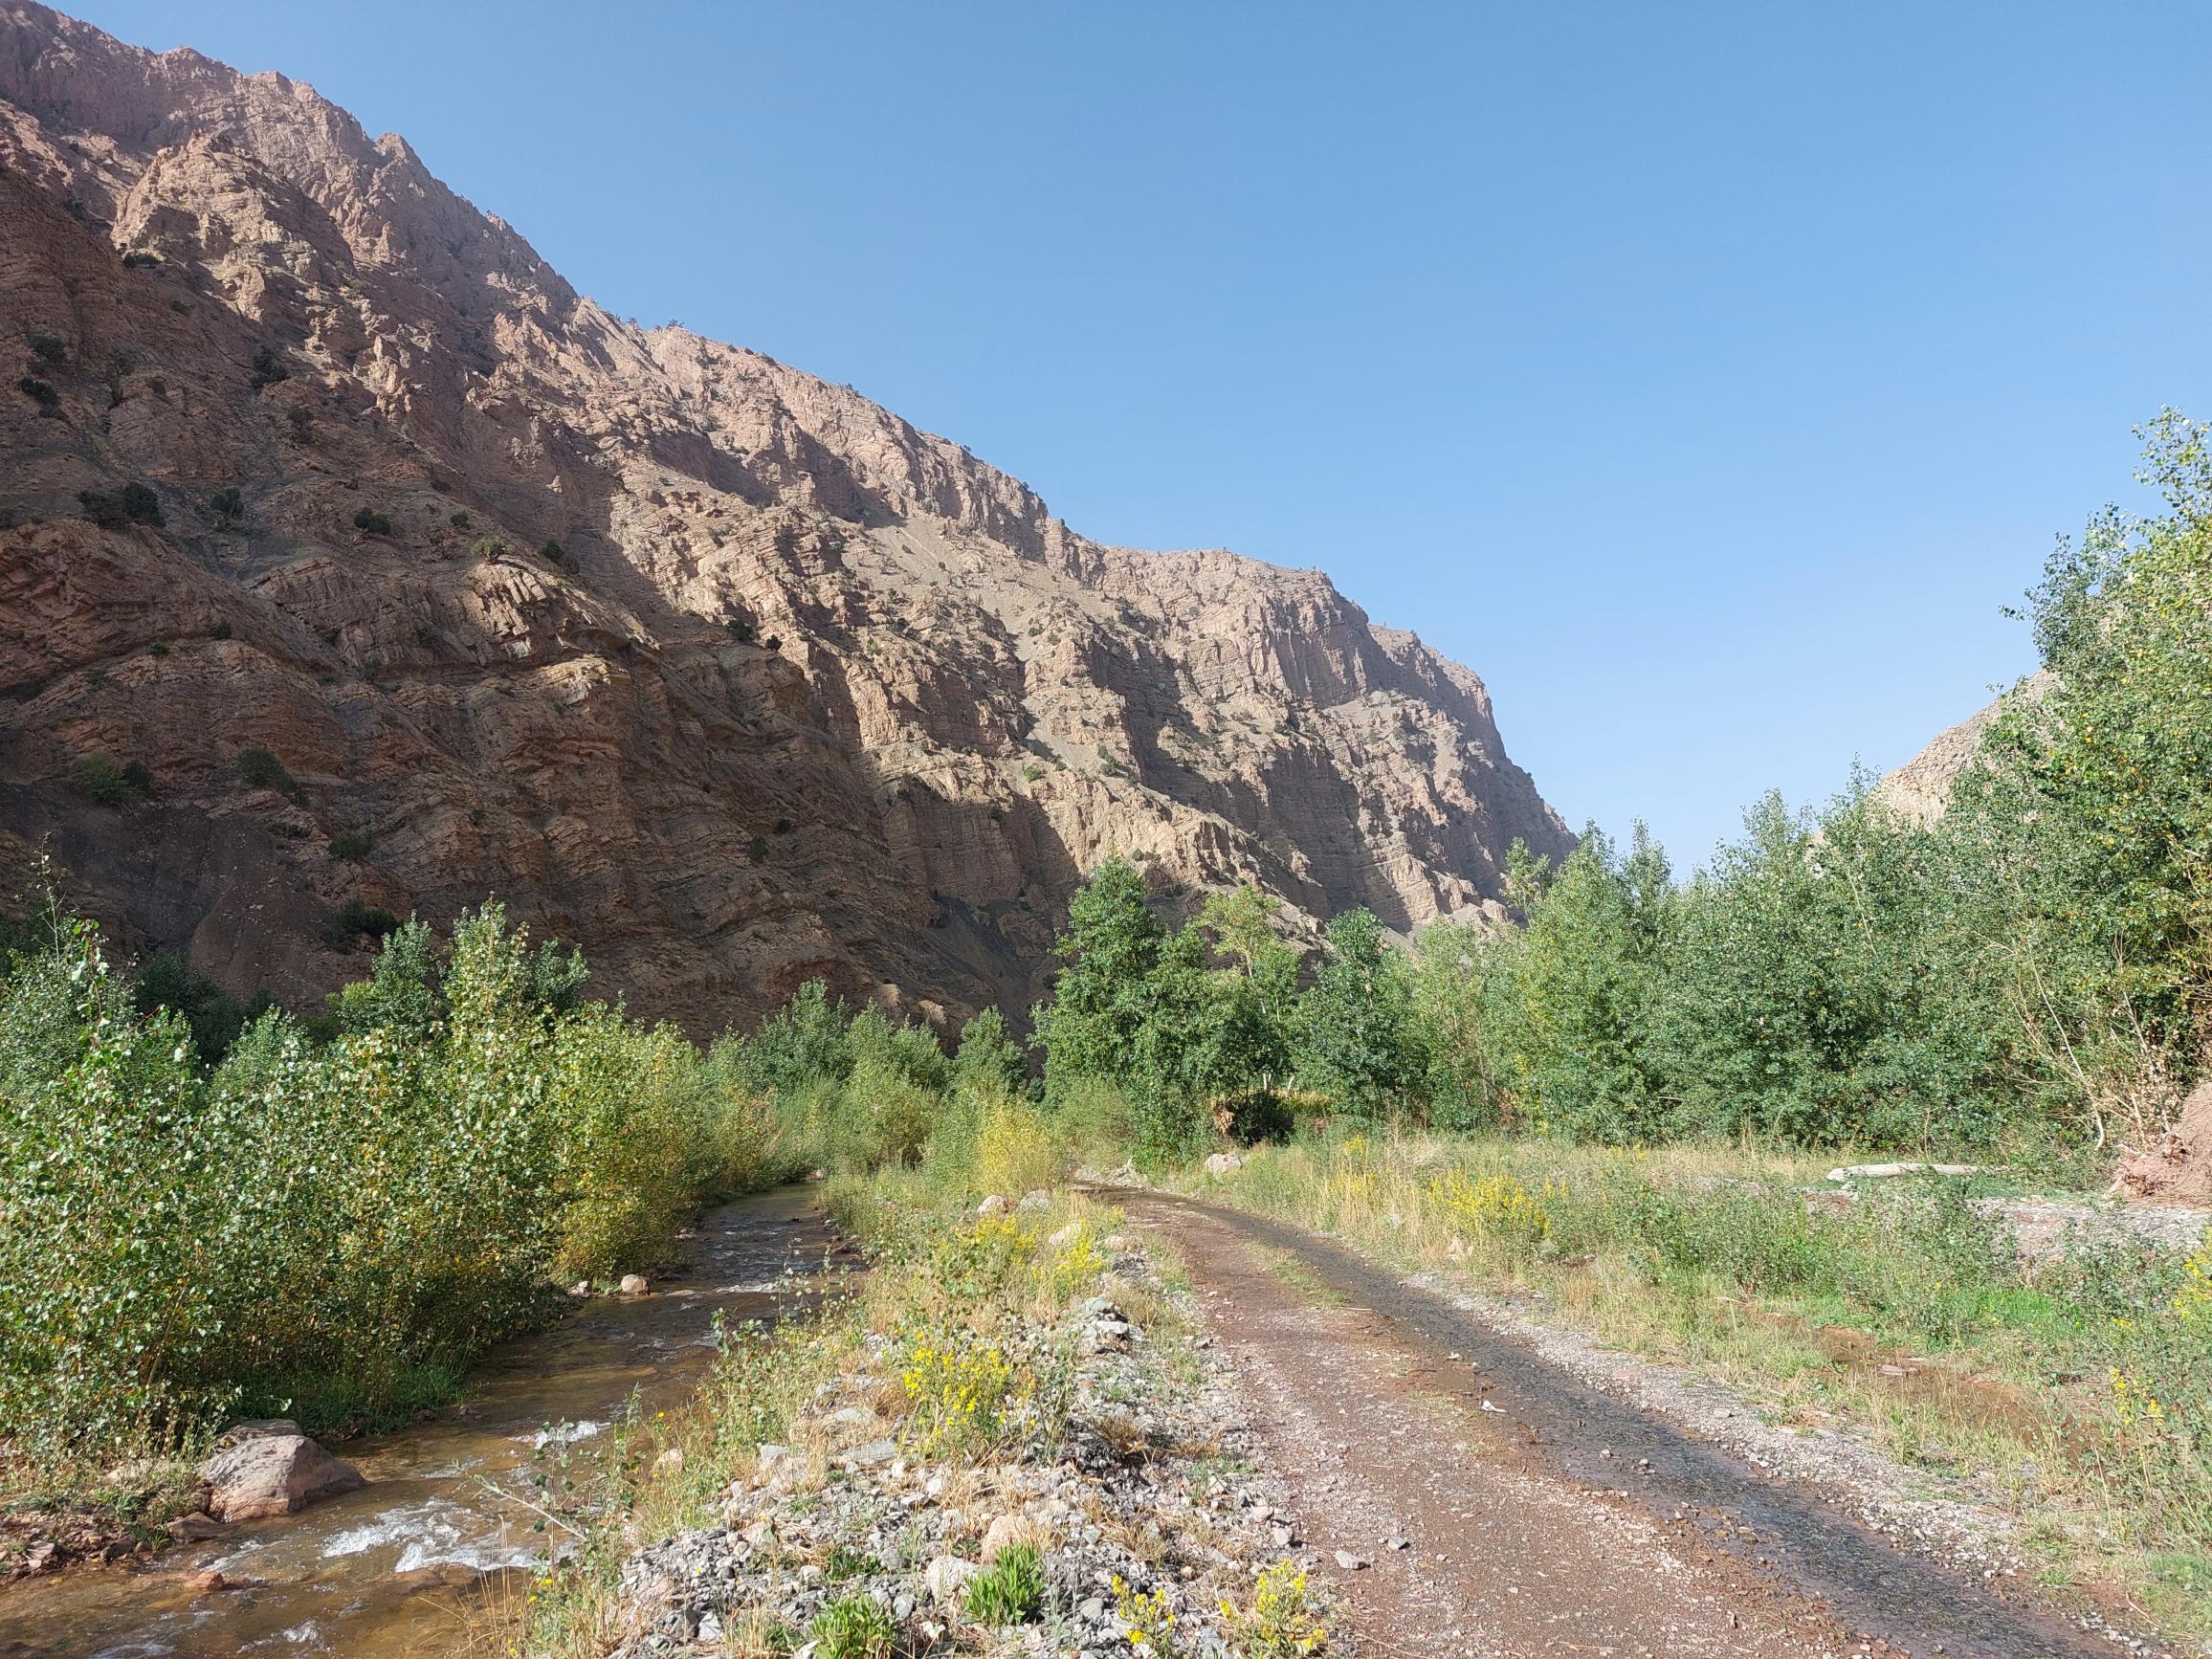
(1504, 1506)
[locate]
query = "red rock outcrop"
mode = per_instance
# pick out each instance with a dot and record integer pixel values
(720, 670)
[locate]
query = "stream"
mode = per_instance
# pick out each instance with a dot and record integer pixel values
(399, 1567)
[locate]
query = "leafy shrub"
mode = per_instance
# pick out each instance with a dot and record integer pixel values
(221, 630)
(335, 1225)
(1280, 1623)
(355, 921)
(561, 557)
(1010, 1590)
(372, 523)
(458, 520)
(487, 548)
(226, 503)
(1497, 1204)
(1014, 1148)
(300, 419)
(269, 368)
(351, 844)
(853, 1628)
(756, 848)
(260, 769)
(132, 503)
(961, 1394)
(39, 392)
(47, 348)
(98, 778)
(167, 980)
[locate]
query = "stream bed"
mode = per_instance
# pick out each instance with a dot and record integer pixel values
(399, 1567)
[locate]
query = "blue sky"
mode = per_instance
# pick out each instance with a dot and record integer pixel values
(1705, 376)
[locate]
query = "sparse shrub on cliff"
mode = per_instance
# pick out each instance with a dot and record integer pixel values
(372, 523)
(99, 779)
(260, 769)
(131, 503)
(48, 399)
(351, 844)
(227, 504)
(269, 368)
(355, 921)
(301, 420)
(47, 348)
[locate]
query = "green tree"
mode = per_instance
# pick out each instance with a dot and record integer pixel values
(989, 1061)
(1093, 1025)
(1358, 1038)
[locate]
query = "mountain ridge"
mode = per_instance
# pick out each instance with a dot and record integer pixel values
(790, 688)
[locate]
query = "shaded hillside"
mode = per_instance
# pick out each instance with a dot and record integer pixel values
(723, 671)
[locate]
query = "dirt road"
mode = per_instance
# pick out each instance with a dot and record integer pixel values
(1502, 1506)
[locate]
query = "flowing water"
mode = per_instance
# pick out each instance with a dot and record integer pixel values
(396, 1568)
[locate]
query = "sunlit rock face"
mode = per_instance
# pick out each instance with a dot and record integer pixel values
(723, 671)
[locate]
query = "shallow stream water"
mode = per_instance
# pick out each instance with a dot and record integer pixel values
(398, 1567)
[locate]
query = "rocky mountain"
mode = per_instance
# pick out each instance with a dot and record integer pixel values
(1920, 788)
(355, 557)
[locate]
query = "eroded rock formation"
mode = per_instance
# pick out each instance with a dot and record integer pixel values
(721, 670)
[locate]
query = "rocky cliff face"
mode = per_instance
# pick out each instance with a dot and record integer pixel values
(1920, 789)
(723, 671)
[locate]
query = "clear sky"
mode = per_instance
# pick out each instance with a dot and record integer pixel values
(1705, 376)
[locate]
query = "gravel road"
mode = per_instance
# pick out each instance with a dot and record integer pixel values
(1467, 1496)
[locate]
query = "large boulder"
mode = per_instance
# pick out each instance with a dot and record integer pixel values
(272, 1468)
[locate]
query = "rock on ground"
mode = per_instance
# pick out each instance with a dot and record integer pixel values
(267, 1473)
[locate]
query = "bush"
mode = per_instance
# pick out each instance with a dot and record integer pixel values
(1014, 1149)
(47, 348)
(226, 503)
(98, 778)
(962, 1396)
(260, 769)
(351, 844)
(1281, 1622)
(371, 523)
(132, 503)
(167, 980)
(853, 1628)
(355, 921)
(39, 392)
(324, 1226)
(269, 368)
(1010, 1590)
